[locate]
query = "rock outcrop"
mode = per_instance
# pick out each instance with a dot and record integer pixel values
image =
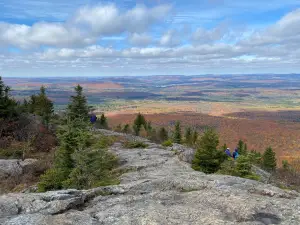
(14, 167)
(157, 189)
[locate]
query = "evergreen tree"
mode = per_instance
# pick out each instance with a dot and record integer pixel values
(92, 168)
(42, 106)
(138, 123)
(177, 133)
(269, 159)
(188, 136)
(195, 137)
(208, 158)
(163, 134)
(126, 129)
(78, 108)
(255, 157)
(7, 104)
(242, 148)
(243, 166)
(73, 137)
(103, 122)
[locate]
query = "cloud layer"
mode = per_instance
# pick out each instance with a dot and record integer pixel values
(143, 39)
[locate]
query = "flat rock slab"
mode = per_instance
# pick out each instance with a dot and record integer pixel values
(159, 189)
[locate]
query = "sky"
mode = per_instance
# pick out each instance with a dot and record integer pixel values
(148, 37)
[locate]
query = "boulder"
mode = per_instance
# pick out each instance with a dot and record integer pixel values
(14, 167)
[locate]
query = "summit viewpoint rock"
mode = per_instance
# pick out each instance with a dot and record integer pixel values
(157, 189)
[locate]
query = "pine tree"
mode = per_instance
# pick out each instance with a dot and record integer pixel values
(195, 137)
(42, 106)
(7, 104)
(208, 158)
(242, 148)
(243, 166)
(163, 134)
(188, 136)
(138, 123)
(177, 133)
(73, 137)
(103, 122)
(269, 159)
(78, 107)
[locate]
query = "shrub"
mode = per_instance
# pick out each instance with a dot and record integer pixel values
(134, 144)
(104, 142)
(92, 168)
(228, 167)
(242, 167)
(44, 142)
(14, 151)
(53, 179)
(167, 143)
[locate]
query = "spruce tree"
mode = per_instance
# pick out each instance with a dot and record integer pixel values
(208, 158)
(163, 134)
(42, 106)
(188, 136)
(103, 122)
(78, 108)
(195, 137)
(7, 104)
(243, 166)
(269, 159)
(177, 133)
(138, 123)
(242, 148)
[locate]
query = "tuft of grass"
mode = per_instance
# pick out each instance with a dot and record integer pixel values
(134, 144)
(167, 143)
(186, 190)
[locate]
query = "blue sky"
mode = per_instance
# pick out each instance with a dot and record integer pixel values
(148, 37)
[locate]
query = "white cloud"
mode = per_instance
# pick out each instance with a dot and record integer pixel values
(201, 35)
(140, 39)
(285, 32)
(50, 34)
(170, 38)
(109, 20)
(84, 28)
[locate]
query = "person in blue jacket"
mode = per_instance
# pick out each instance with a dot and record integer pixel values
(227, 151)
(235, 154)
(93, 118)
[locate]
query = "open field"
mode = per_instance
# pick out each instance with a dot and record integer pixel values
(260, 109)
(283, 137)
